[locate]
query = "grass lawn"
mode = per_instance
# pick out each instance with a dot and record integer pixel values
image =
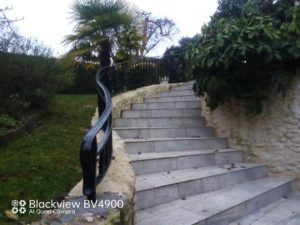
(44, 164)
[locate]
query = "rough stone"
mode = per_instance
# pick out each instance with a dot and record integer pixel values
(272, 138)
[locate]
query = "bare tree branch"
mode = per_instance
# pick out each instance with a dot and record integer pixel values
(5, 22)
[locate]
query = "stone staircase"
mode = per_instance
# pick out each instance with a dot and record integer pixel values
(186, 175)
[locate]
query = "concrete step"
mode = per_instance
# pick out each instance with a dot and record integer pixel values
(167, 105)
(156, 162)
(174, 144)
(158, 113)
(163, 132)
(172, 99)
(161, 122)
(285, 211)
(160, 188)
(219, 207)
(177, 93)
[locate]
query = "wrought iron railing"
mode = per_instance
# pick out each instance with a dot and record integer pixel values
(96, 147)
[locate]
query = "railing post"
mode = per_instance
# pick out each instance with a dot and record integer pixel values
(88, 160)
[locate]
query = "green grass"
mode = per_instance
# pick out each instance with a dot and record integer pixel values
(44, 164)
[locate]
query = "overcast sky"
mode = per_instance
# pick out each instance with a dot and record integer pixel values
(48, 20)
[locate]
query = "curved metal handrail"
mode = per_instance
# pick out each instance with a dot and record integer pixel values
(93, 151)
(90, 148)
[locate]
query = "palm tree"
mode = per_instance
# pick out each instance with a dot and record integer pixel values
(99, 25)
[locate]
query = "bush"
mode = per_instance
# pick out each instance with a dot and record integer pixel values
(248, 51)
(84, 80)
(29, 82)
(174, 58)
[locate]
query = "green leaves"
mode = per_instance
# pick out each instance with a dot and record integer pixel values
(237, 55)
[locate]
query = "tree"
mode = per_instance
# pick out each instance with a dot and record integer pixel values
(6, 22)
(114, 29)
(175, 58)
(154, 30)
(99, 24)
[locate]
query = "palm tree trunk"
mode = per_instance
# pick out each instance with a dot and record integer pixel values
(105, 57)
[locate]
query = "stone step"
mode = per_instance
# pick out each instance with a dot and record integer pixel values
(156, 162)
(163, 132)
(160, 188)
(161, 122)
(172, 99)
(177, 93)
(183, 87)
(285, 211)
(218, 207)
(167, 105)
(174, 144)
(157, 113)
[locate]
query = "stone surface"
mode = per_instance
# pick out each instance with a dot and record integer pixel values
(146, 163)
(172, 98)
(124, 100)
(161, 132)
(174, 144)
(272, 138)
(285, 211)
(160, 122)
(218, 208)
(167, 105)
(159, 188)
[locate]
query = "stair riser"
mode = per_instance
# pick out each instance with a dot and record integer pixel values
(183, 88)
(166, 132)
(185, 162)
(161, 113)
(172, 99)
(167, 105)
(160, 122)
(249, 206)
(161, 195)
(176, 145)
(176, 93)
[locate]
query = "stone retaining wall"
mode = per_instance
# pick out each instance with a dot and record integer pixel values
(272, 138)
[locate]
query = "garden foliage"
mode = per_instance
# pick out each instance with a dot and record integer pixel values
(249, 51)
(30, 76)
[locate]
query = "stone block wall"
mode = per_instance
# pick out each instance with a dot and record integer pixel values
(272, 138)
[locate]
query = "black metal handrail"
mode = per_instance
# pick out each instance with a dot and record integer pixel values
(92, 150)
(118, 78)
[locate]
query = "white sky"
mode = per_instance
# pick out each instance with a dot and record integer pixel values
(48, 20)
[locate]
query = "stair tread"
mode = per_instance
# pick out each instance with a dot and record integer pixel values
(165, 101)
(150, 181)
(198, 208)
(169, 127)
(161, 155)
(169, 139)
(285, 211)
(192, 94)
(178, 109)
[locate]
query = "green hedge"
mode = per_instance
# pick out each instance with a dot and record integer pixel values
(29, 82)
(84, 80)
